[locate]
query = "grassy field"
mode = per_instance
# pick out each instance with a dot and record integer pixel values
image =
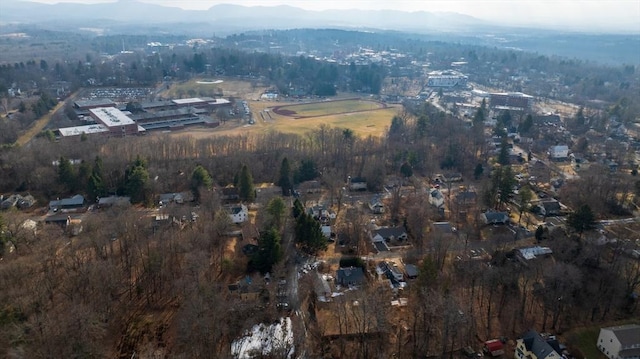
(364, 117)
(209, 88)
(325, 108)
(586, 340)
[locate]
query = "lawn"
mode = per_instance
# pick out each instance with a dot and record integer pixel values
(213, 87)
(361, 123)
(325, 108)
(585, 340)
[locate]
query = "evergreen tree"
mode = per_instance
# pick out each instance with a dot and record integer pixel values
(306, 172)
(582, 220)
(200, 178)
(406, 169)
(309, 235)
(526, 125)
(269, 251)
(136, 182)
(477, 172)
(245, 185)
(275, 209)
(285, 178)
(422, 126)
(503, 155)
(66, 174)
(95, 183)
(298, 209)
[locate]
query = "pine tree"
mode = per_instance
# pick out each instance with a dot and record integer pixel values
(245, 185)
(66, 174)
(269, 251)
(285, 178)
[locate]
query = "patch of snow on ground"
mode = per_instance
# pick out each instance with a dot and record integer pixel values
(265, 340)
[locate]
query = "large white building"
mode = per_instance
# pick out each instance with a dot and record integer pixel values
(446, 79)
(115, 121)
(621, 342)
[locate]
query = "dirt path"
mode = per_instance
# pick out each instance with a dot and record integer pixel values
(41, 123)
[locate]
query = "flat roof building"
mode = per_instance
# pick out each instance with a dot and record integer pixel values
(510, 100)
(94, 103)
(79, 130)
(115, 121)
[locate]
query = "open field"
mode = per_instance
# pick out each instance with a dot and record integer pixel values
(365, 117)
(326, 108)
(214, 87)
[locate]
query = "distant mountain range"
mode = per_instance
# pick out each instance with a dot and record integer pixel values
(235, 17)
(132, 17)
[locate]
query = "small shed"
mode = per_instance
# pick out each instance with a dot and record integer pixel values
(494, 347)
(411, 270)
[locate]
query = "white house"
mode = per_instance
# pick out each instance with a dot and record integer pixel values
(238, 213)
(559, 153)
(621, 342)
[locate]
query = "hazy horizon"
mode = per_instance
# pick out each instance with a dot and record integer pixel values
(580, 15)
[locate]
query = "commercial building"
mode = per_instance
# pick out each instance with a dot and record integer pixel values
(510, 101)
(117, 123)
(446, 79)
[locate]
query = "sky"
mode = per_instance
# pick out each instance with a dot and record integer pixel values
(597, 15)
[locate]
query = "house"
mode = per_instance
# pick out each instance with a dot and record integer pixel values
(310, 187)
(453, 177)
(326, 231)
(533, 346)
(104, 202)
(494, 217)
(559, 153)
(466, 198)
(436, 198)
(386, 234)
(494, 347)
(230, 194)
(530, 253)
(351, 276)
(376, 206)
(442, 229)
(549, 207)
(238, 213)
(70, 203)
(621, 342)
(390, 271)
(167, 198)
(357, 184)
(411, 271)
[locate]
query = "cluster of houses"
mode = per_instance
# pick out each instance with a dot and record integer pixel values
(617, 342)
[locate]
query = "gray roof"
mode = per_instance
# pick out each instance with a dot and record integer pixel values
(443, 227)
(538, 346)
(111, 200)
(99, 102)
(496, 217)
(412, 271)
(627, 334)
(350, 275)
(75, 201)
(389, 232)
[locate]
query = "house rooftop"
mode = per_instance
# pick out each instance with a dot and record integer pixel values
(538, 346)
(350, 275)
(388, 232)
(533, 252)
(628, 335)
